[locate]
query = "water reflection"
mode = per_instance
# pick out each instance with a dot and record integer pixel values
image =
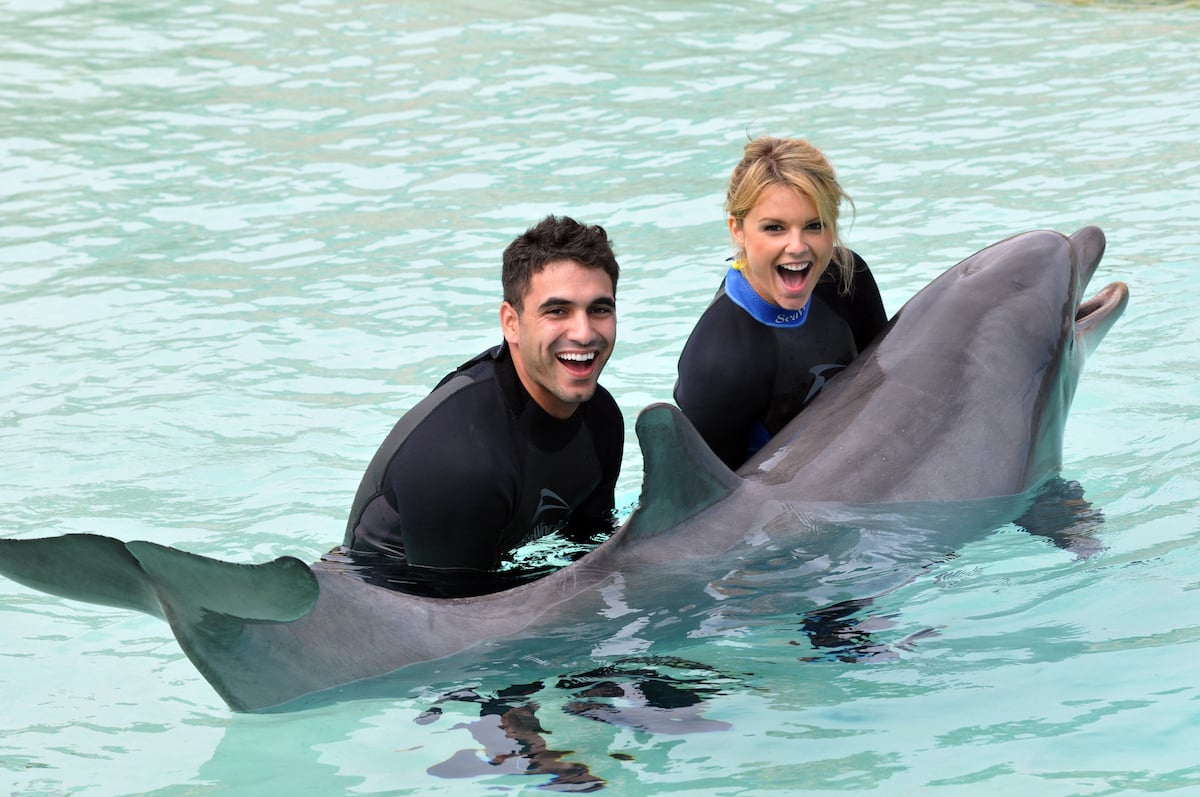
(660, 694)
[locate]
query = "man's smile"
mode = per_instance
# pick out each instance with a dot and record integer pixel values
(577, 362)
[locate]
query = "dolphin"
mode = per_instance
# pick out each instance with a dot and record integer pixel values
(960, 402)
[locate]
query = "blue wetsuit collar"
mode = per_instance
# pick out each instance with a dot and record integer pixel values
(738, 289)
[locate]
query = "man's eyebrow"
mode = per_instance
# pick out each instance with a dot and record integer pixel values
(555, 301)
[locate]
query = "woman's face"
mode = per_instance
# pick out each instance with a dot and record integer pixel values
(787, 248)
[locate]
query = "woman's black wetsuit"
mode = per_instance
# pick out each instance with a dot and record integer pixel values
(742, 379)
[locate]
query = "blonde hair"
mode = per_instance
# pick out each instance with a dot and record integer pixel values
(802, 167)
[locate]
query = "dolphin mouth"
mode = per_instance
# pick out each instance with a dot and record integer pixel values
(1094, 316)
(1098, 313)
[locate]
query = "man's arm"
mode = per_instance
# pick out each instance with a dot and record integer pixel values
(452, 486)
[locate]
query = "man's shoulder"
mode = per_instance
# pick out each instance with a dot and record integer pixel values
(471, 391)
(479, 368)
(463, 433)
(477, 387)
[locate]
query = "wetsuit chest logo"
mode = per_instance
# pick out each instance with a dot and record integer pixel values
(819, 378)
(558, 509)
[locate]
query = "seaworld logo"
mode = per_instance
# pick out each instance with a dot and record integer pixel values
(792, 317)
(548, 501)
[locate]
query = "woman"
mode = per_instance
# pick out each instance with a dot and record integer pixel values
(795, 308)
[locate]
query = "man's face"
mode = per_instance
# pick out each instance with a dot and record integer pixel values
(564, 334)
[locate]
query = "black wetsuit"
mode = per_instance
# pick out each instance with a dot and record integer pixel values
(740, 380)
(477, 469)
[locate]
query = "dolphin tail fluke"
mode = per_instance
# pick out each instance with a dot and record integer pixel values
(278, 591)
(209, 603)
(145, 576)
(82, 567)
(682, 474)
(223, 613)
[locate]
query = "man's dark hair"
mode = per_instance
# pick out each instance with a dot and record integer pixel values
(551, 239)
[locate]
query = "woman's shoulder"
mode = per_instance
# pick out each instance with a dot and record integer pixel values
(725, 344)
(859, 276)
(723, 316)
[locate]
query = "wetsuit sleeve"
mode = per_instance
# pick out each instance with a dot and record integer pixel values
(726, 372)
(452, 486)
(597, 513)
(865, 314)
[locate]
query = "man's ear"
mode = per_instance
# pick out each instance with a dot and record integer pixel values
(509, 323)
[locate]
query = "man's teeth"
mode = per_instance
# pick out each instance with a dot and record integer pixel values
(579, 357)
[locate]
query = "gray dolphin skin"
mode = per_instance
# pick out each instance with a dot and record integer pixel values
(961, 400)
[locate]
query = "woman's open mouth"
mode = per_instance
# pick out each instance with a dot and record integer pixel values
(794, 276)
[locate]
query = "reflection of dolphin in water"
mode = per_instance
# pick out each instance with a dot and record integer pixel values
(964, 397)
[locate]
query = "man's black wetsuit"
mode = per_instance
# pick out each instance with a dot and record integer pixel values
(477, 469)
(741, 380)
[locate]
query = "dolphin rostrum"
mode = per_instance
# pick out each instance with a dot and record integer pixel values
(963, 397)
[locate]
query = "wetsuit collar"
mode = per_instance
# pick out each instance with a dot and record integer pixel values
(521, 404)
(739, 291)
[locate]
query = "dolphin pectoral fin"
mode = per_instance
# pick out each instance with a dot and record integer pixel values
(82, 567)
(279, 591)
(682, 474)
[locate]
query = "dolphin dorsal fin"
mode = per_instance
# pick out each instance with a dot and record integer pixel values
(682, 474)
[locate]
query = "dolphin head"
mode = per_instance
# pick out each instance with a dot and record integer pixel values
(1034, 332)
(965, 394)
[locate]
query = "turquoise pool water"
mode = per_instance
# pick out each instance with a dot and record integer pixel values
(239, 238)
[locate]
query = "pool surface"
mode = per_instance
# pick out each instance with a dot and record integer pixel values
(239, 238)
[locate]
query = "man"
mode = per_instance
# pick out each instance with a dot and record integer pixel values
(519, 442)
